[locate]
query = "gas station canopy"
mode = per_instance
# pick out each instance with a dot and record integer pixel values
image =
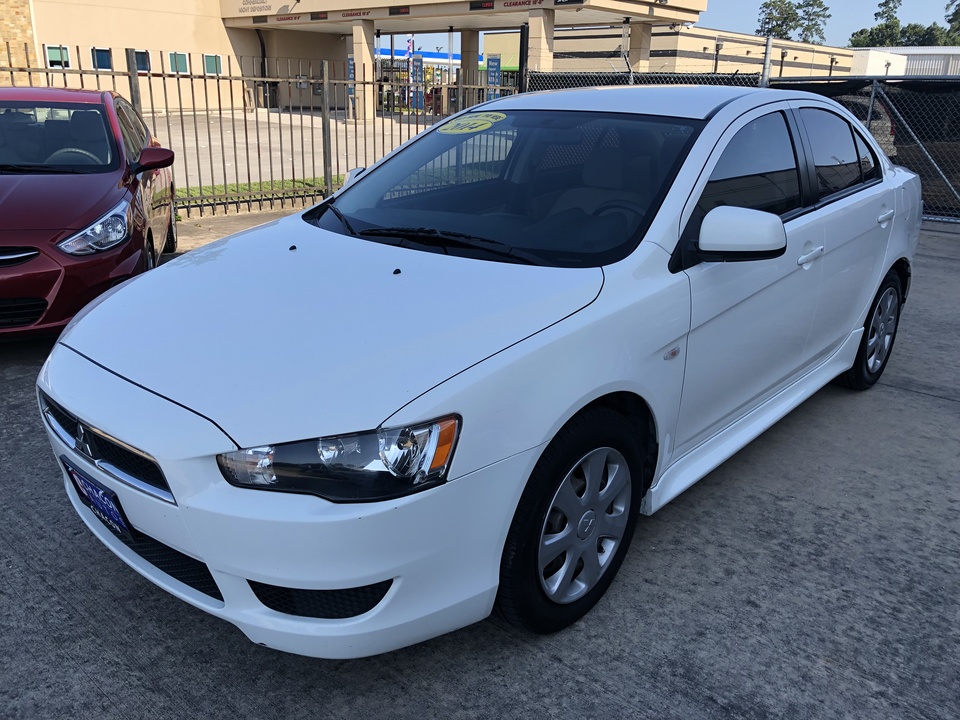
(429, 16)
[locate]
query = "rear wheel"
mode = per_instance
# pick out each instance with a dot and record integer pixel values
(879, 334)
(573, 523)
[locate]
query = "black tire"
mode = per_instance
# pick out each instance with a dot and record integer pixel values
(532, 593)
(878, 336)
(170, 245)
(149, 257)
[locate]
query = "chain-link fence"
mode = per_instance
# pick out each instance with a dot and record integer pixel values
(574, 79)
(915, 120)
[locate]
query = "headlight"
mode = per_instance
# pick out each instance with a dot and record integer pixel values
(362, 467)
(107, 232)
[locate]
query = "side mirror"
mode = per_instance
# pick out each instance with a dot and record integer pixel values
(152, 158)
(735, 234)
(352, 176)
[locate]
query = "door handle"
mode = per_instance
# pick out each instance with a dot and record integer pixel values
(812, 255)
(886, 216)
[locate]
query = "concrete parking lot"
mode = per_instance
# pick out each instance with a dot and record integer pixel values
(816, 574)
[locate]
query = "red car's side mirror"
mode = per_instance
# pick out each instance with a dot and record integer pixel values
(152, 158)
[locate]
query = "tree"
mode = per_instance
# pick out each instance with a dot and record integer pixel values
(889, 33)
(887, 11)
(813, 20)
(882, 35)
(917, 35)
(778, 18)
(952, 15)
(886, 33)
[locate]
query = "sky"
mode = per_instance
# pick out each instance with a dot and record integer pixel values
(848, 16)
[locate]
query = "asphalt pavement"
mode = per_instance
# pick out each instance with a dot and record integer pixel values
(816, 574)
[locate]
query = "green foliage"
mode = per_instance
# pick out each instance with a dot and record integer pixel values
(883, 35)
(887, 11)
(243, 191)
(917, 35)
(782, 18)
(889, 33)
(952, 15)
(778, 18)
(813, 19)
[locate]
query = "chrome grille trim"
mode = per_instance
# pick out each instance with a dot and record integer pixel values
(15, 256)
(74, 439)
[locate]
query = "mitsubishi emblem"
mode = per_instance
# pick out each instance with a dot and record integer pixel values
(82, 444)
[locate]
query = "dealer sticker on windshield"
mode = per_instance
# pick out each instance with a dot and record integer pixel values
(471, 123)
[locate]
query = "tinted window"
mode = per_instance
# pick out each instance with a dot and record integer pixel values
(869, 168)
(72, 137)
(134, 134)
(102, 59)
(143, 60)
(834, 153)
(178, 62)
(757, 170)
(575, 189)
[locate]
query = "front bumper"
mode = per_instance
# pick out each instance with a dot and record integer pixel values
(432, 559)
(57, 285)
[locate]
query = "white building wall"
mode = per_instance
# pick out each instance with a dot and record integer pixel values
(878, 62)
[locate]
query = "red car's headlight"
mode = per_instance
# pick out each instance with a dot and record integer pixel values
(107, 232)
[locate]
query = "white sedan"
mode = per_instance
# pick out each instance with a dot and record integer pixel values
(456, 384)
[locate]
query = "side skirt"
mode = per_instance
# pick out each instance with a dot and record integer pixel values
(710, 454)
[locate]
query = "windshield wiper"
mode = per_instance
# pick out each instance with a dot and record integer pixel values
(343, 219)
(27, 169)
(451, 238)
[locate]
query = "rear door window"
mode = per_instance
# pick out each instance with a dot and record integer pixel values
(835, 153)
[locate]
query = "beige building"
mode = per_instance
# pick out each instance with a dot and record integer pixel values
(192, 41)
(676, 48)
(196, 39)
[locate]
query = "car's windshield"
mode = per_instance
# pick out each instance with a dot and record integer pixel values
(54, 138)
(571, 188)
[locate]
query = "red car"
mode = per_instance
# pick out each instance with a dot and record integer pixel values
(86, 201)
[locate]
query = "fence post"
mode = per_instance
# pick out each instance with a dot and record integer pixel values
(873, 99)
(325, 128)
(524, 56)
(134, 80)
(765, 76)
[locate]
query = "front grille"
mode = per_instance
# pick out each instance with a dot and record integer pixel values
(109, 455)
(326, 604)
(10, 256)
(174, 563)
(17, 312)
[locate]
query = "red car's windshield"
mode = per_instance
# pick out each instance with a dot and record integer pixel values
(55, 138)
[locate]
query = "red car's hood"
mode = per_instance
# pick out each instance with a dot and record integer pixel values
(55, 202)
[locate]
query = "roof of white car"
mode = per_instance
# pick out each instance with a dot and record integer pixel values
(688, 101)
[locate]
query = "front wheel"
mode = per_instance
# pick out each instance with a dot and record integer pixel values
(879, 333)
(573, 523)
(149, 257)
(170, 243)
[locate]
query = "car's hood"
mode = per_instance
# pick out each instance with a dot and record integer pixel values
(288, 332)
(55, 202)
